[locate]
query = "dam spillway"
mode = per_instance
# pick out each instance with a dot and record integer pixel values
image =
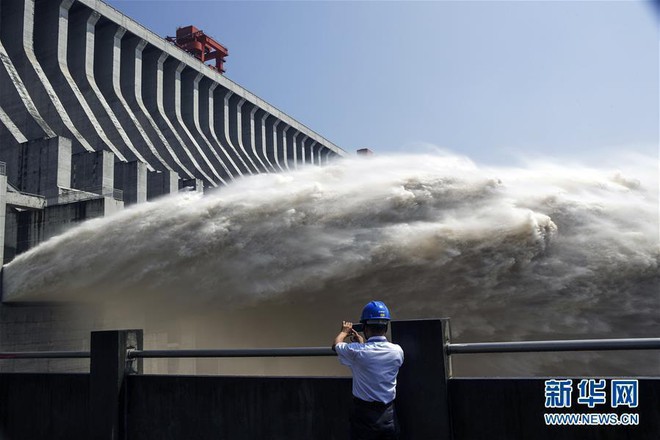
(97, 112)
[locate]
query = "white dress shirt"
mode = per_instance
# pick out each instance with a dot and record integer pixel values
(375, 365)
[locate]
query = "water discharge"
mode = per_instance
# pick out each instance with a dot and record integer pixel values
(544, 251)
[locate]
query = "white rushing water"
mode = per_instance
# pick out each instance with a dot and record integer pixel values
(508, 253)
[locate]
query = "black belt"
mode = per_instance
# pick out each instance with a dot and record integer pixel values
(369, 404)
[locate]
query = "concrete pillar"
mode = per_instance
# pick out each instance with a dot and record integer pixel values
(294, 147)
(422, 399)
(289, 147)
(304, 147)
(158, 92)
(3, 213)
(98, 56)
(187, 111)
(314, 153)
(131, 79)
(131, 178)
(206, 108)
(311, 146)
(149, 96)
(167, 101)
(319, 155)
(326, 153)
(108, 70)
(224, 111)
(161, 183)
(261, 138)
(10, 238)
(235, 130)
(278, 128)
(216, 114)
(198, 117)
(108, 368)
(183, 99)
(43, 166)
(94, 172)
(251, 133)
(284, 146)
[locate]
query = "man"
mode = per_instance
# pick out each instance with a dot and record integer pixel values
(375, 365)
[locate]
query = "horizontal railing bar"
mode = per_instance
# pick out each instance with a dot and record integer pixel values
(45, 355)
(453, 348)
(540, 346)
(233, 353)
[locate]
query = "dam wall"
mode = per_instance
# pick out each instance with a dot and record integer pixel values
(95, 106)
(98, 113)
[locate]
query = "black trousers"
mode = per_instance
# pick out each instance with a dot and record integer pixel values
(373, 421)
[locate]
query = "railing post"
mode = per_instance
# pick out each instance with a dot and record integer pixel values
(422, 402)
(109, 365)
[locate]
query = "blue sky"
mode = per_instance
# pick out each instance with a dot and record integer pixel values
(493, 80)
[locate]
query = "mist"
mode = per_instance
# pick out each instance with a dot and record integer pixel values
(540, 251)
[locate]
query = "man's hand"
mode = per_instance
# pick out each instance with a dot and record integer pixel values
(347, 327)
(355, 337)
(347, 330)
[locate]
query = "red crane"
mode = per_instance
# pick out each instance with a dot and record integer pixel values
(201, 46)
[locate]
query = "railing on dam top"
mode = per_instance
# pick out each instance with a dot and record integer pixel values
(44, 355)
(424, 381)
(451, 349)
(197, 353)
(564, 345)
(233, 353)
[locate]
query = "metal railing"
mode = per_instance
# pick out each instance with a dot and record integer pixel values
(197, 353)
(234, 353)
(45, 355)
(563, 345)
(452, 349)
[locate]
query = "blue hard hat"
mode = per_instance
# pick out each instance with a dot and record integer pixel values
(375, 311)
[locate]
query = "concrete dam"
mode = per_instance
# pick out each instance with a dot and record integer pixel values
(97, 112)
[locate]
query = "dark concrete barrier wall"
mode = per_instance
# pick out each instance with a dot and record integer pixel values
(44, 406)
(213, 407)
(511, 409)
(57, 406)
